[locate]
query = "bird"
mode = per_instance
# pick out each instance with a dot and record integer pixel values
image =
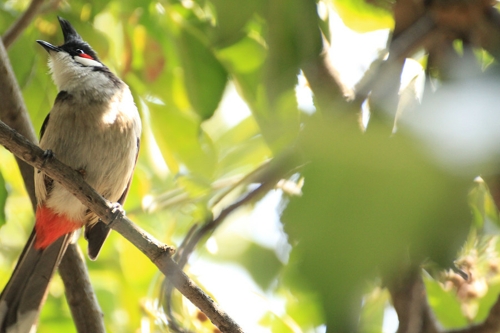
(94, 127)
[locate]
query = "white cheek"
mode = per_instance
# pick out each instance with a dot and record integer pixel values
(87, 62)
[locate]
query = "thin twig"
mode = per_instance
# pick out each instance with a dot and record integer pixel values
(160, 254)
(400, 47)
(22, 22)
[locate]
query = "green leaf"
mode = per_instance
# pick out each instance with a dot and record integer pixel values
(364, 16)
(245, 56)
(372, 313)
(483, 206)
(486, 302)
(368, 203)
(180, 137)
(232, 17)
(262, 264)
(204, 76)
(3, 200)
(445, 305)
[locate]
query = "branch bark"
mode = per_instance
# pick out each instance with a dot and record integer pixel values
(79, 293)
(22, 22)
(160, 254)
(409, 299)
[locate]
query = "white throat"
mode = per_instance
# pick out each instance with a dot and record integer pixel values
(69, 75)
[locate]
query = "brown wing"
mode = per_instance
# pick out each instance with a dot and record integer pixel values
(97, 233)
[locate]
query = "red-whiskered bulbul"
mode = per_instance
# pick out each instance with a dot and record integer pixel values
(94, 127)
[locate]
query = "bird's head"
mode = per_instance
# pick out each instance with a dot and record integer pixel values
(73, 64)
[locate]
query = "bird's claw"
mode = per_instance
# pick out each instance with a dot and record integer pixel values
(117, 212)
(48, 154)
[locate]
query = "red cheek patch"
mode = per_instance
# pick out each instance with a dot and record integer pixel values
(85, 55)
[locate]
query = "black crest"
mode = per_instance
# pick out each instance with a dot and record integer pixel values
(70, 34)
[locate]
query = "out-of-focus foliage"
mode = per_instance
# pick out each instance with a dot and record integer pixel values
(215, 84)
(3, 199)
(363, 16)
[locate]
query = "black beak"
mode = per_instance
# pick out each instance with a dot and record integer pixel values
(48, 47)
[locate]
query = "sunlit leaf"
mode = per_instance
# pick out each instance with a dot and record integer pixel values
(245, 56)
(444, 304)
(3, 200)
(372, 312)
(364, 16)
(180, 135)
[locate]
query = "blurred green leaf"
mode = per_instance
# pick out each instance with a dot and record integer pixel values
(369, 200)
(276, 324)
(3, 199)
(445, 305)
(482, 204)
(245, 56)
(486, 302)
(204, 75)
(372, 312)
(261, 263)
(232, 17)
(364, 16)
(179, 135)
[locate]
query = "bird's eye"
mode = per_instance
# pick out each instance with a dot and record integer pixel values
(82, 54)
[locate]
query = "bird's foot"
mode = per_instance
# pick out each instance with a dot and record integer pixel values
(117, 213)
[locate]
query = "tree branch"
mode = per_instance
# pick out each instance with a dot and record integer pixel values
(79, 293)
(330, 94)
(267, 175)
(22, 22)
(409, 299)
(157, 252)
(13, 112)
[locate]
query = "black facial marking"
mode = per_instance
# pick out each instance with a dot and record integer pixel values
(76, 48)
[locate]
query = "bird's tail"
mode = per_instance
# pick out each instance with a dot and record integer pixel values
(22, 298)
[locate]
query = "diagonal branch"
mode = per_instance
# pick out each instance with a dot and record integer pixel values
(160, 254)
(267, 175)
(22, 22)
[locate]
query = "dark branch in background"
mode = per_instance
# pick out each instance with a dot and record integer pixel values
(267, 175)
(330, 93)
(435, 30)
(79, 294)
(382, 76)
(410, 302)
(13, 112)
(22, 22)
(160, 254)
